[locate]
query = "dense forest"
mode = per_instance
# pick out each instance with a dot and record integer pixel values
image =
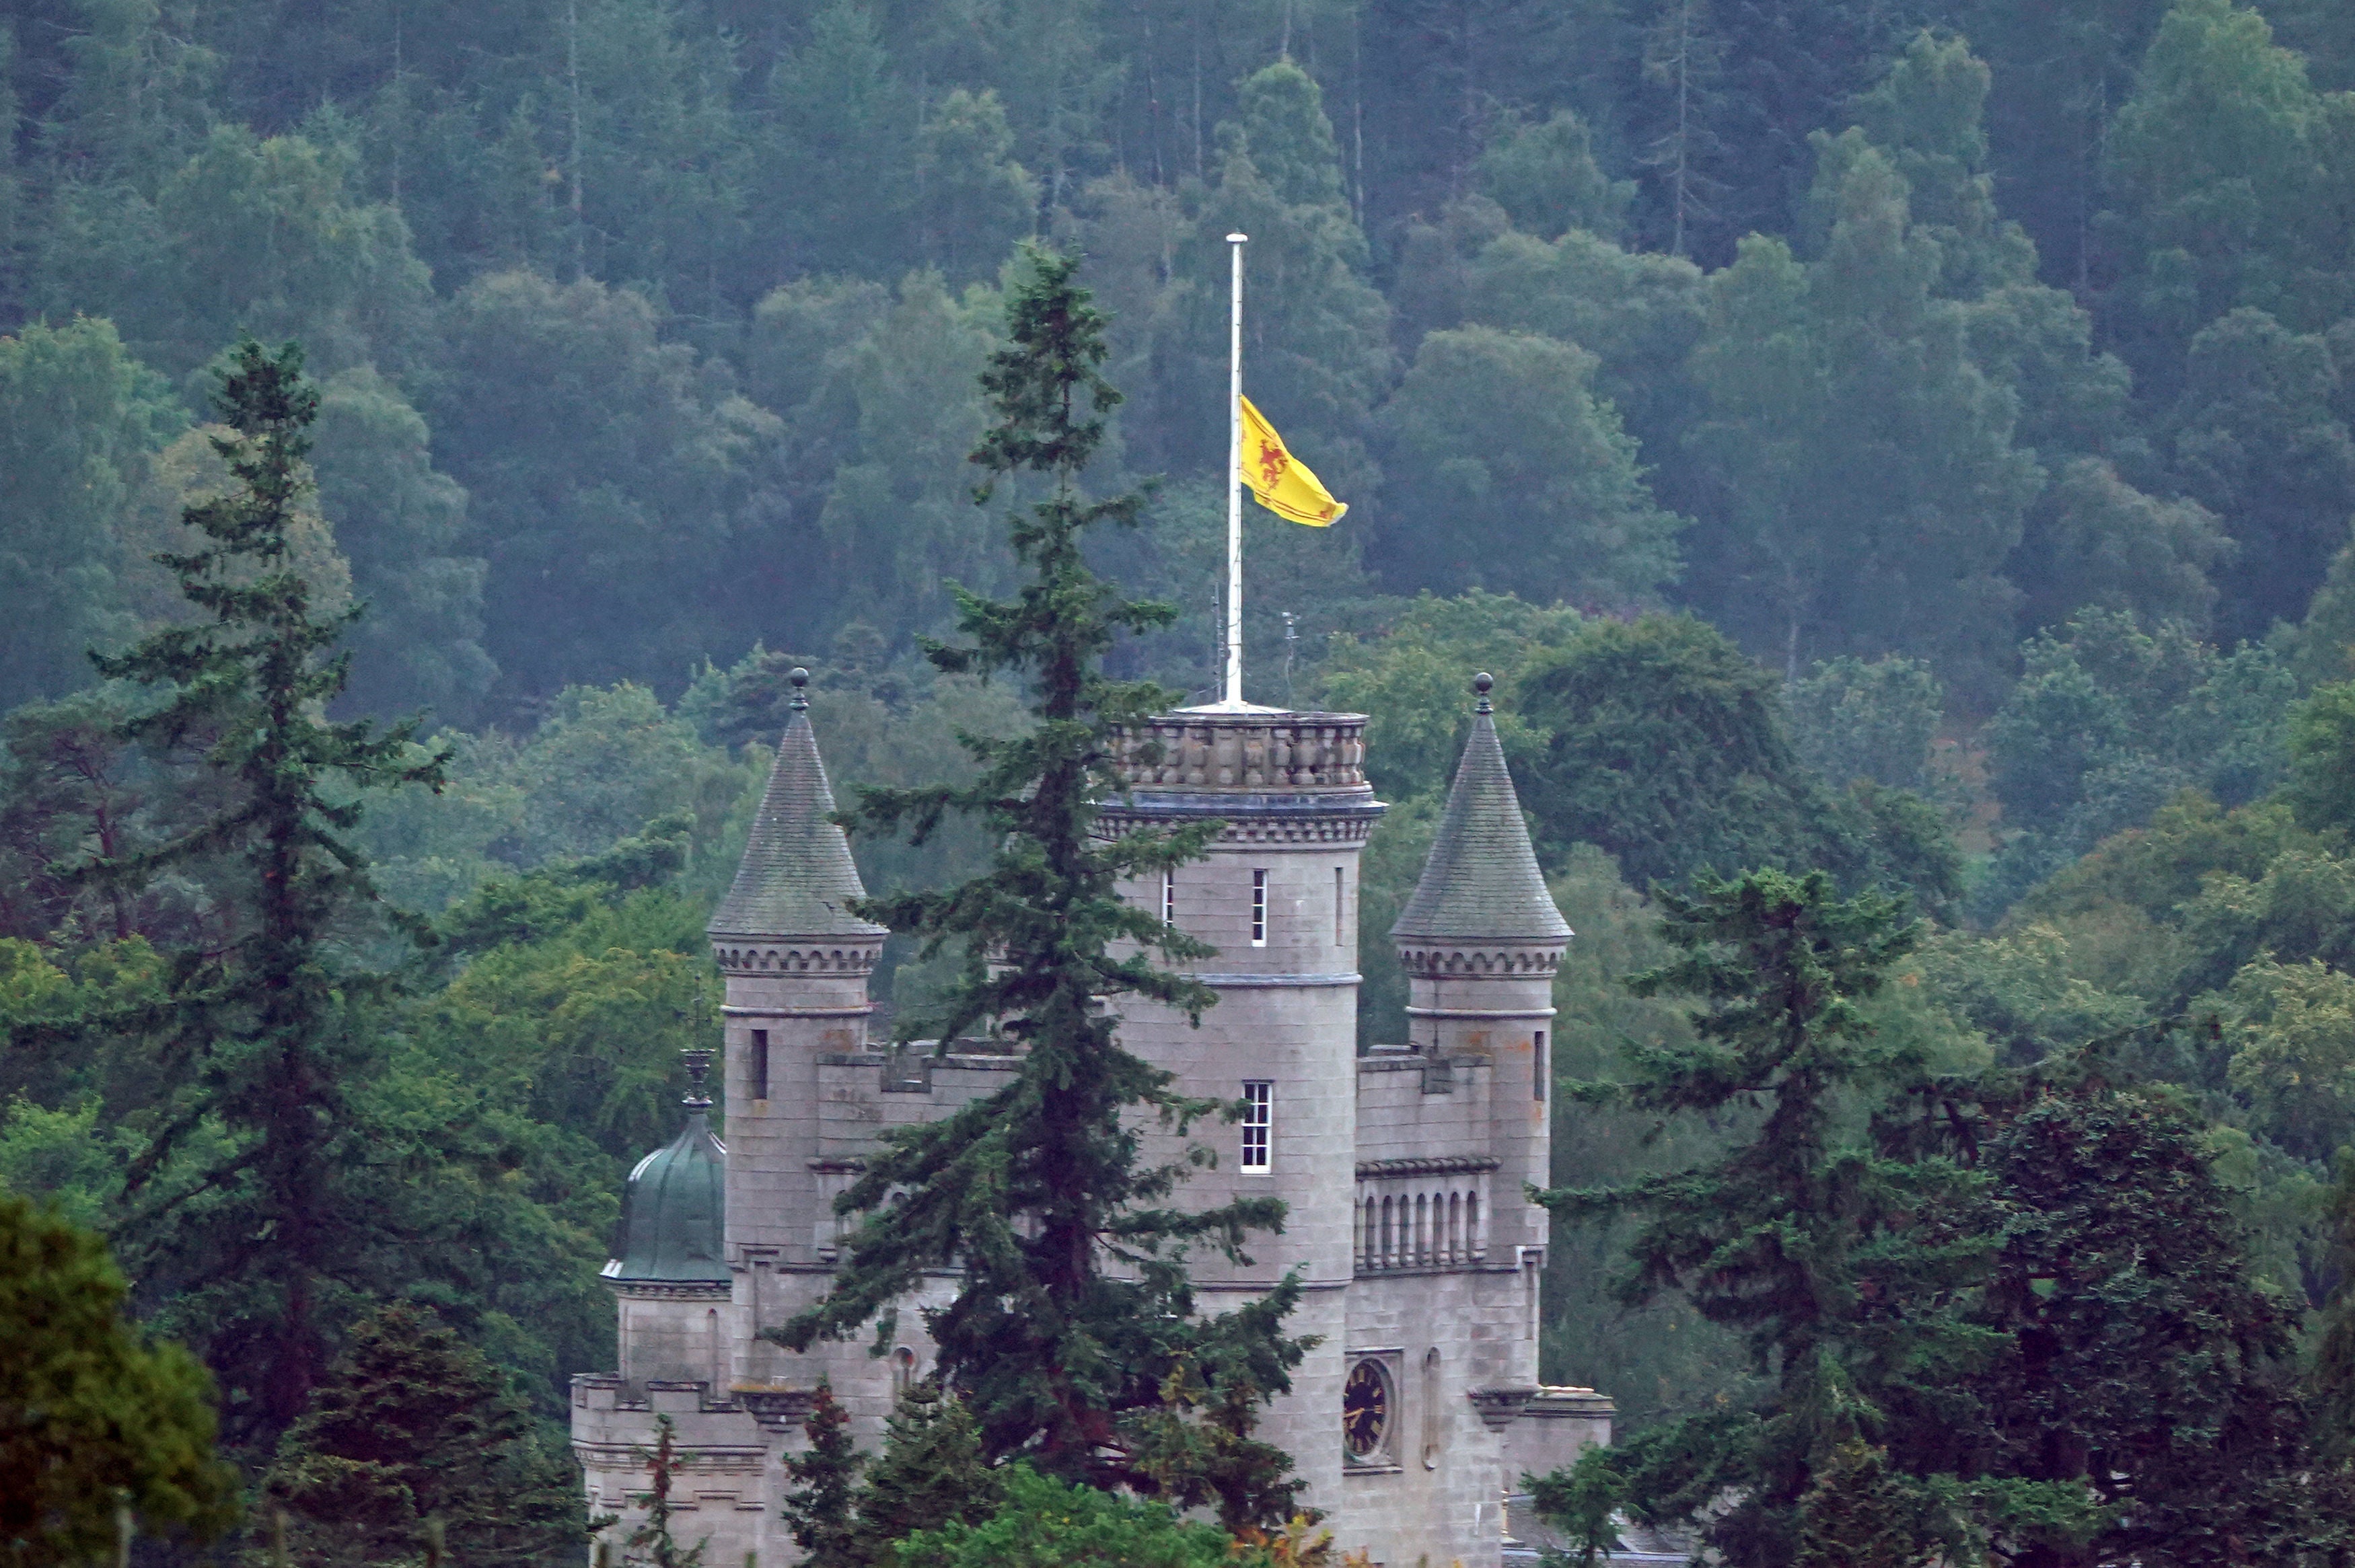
(1913, 440)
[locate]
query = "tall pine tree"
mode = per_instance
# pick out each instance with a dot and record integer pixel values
(1073, 1305)
(259, 1028)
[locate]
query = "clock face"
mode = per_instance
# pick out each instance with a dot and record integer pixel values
(1366, 1410)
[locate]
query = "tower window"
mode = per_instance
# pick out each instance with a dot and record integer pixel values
(1169, 895)
(1259, 908)
(1538, 1066)
(1338, 906)
(757, 1068)
(1259, 1122)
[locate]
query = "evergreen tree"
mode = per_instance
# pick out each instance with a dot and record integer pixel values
(932, 1473)
(411, 1427)
(1035, 1193)
(91, 1412)
(260, 1031)
(818, 1509)
(1794, 1235)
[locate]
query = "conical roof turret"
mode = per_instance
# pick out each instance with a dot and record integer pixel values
(796, 878)
(674, 1213)
(1481, 882)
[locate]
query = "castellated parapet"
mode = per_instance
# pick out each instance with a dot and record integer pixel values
(1401, 1170)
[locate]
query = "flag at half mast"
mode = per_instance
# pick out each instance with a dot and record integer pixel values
(1284, 484)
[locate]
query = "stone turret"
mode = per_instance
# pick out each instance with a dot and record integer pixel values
(1480, 941)
(795, 962)
(671, 1281)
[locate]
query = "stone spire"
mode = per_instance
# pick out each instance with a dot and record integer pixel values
(1481, 882)
(797, 877)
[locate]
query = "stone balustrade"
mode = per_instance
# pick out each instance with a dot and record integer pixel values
(1197, 751)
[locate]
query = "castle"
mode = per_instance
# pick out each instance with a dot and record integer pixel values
(1403, 1167)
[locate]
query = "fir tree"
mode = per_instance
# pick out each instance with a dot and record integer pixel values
(1797, 1236)
(933, 1473)
(1037, 1193)
(413, 1427)
(817, 1509)
(258, 1029)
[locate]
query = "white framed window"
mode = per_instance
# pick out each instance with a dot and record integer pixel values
(1259, 1124)
(1259, 908)
(1169, 895)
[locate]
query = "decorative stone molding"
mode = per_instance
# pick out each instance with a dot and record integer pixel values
(1499, 1404)
(1198, 750)
(775, 1406)
(1306, 824)
(669, 1289)
(1488, 961)
(771, 956)
(1439, 1165)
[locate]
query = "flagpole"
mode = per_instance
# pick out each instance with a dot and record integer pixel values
(1235, 481)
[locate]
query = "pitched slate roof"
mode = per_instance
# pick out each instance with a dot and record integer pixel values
(1482, 882)
(796, 876)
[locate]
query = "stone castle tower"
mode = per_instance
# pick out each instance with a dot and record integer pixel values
(1403, 1168)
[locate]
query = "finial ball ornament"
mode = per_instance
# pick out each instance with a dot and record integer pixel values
(1483, 683)
(798, 676)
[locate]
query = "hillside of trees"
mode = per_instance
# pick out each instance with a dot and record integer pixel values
(1910, 440)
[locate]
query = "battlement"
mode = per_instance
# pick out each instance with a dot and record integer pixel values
(1198, 750)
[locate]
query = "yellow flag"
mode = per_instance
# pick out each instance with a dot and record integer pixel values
(1282, 482)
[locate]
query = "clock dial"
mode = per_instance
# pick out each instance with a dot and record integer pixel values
(1365, 1409)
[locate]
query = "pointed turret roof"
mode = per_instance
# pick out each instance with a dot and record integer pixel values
(797, 877)
(1482, 881)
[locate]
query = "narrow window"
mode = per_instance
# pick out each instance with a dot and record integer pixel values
(1338, 905)
(1421, 1229)
(1390, 1256)
(1455, 1227)
(1169, 895)
(1434, 1411)
(1259, 909)
(1472, 1227)
(1259, 1107)
(903, 1371)
(1538, 1066)
(758, 1068)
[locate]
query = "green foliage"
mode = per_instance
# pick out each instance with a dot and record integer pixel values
(1783, 1235)
(412, 1425)
(79, 417)
(1048, 1524)
(259, 1033)
(933, 1474)
(91, 1410)
(2322, 788)
(2110, 721)
(1500, 435)
(1033, 1191)
(818, 1508)
(1545, 178)
(1851, 719)
(1659, 741)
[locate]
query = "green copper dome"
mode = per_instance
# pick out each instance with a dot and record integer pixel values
(675, 1210)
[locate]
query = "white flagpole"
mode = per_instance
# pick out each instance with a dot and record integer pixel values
(1235, 482)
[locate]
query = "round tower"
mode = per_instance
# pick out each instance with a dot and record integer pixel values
(1277, 895)
(671, 1278)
